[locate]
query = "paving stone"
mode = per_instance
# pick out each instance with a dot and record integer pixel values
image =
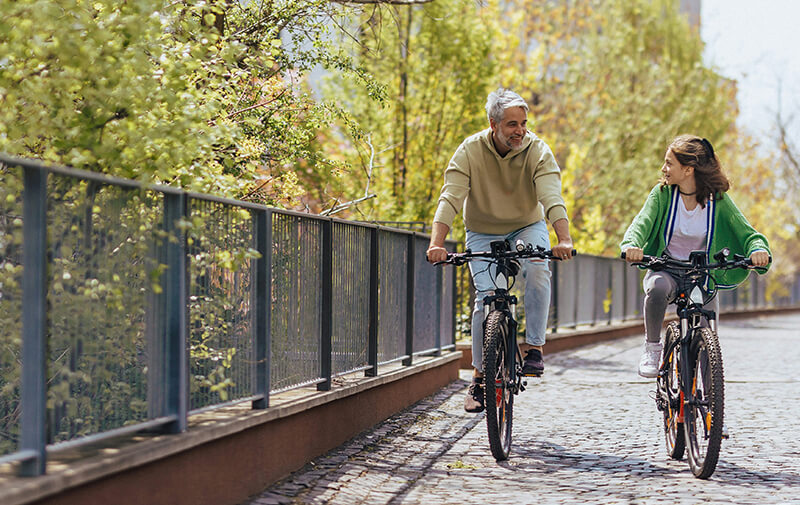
(586, 432)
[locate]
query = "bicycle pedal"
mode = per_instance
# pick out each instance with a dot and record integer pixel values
(537, 374)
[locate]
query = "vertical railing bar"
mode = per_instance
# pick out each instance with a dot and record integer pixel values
(33, 436)
(262, 277)
(438, 312)
(175, 337)
(575, 294)
(554, 294)
(410, 272)
(326, 347)
(454, 300)
(372, 345)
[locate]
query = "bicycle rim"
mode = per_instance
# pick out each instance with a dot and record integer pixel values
(669, 395)
(499, 399)
(705, 409)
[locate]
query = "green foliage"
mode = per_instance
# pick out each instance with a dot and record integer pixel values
(197, 94)
(116, 87)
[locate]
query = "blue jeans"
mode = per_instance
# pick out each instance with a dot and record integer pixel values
(535, 275)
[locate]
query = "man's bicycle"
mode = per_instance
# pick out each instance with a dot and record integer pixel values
(690, 390)
(502, 359)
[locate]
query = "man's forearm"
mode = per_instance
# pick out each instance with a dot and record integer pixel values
(439, 234)
(561, 227)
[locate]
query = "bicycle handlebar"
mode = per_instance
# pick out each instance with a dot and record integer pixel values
(526, 252)
(651, 262)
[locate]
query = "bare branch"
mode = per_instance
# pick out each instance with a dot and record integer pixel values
(788, 151)
(337, 207)
(257, 105)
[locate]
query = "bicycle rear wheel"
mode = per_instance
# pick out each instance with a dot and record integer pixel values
(705, 408)
(499, 400)
(669, 396)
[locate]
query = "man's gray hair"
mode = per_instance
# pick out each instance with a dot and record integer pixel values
(500, 100)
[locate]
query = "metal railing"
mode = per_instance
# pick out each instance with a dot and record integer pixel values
(594, 290)
(127, 307)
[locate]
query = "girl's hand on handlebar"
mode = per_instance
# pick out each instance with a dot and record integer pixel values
(436, 253)
(633, 254)
(760, 258)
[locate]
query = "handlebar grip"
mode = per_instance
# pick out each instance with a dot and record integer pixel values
(622, 255)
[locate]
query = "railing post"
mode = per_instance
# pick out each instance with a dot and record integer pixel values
(326, 347)
(262, 224)
(554, 294)
(176, 317)
(33, 437)
(372, 346)
(575, 293)
(410, 272)
(610, 293)
(438, 302)
(454, 303)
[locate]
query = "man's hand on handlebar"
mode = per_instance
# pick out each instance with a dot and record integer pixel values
(436, 254)
(563, 250)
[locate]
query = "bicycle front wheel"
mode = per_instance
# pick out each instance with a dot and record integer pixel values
(669, 395)
(499, 400)
(704, 410)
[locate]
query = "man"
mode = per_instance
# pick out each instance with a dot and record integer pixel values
(508, 183)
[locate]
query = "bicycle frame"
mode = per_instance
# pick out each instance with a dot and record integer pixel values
(502, 300)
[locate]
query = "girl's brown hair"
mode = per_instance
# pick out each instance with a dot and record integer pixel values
(696, 152)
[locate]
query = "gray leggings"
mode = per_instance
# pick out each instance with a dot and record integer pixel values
(660, 289)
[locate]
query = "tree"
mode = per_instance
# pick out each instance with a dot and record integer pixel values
(611, 83)
(435, 60)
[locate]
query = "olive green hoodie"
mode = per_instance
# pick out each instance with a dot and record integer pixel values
(501, 194)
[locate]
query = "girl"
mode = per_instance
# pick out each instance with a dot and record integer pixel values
(688, 211)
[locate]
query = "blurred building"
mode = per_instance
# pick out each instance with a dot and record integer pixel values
(692, 9)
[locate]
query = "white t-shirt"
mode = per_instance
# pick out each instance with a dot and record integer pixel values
(689, 232)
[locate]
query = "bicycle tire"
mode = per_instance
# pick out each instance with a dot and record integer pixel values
(669, 394)
(704, 414)
(499, 401)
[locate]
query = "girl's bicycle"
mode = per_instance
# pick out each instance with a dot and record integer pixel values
(690, 389)
(502, 359)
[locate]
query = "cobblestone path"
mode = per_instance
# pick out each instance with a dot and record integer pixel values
(587, 432)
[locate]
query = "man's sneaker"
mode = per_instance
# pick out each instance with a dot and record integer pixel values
(473, 402)
(533, 365)
(651, 357)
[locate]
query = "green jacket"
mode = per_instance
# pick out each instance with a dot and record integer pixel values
(652, 228)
